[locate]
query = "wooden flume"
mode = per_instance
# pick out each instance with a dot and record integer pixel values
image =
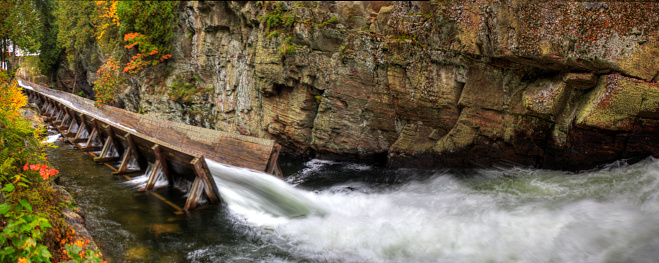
(177, 151)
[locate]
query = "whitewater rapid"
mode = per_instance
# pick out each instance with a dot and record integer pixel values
(515, 215)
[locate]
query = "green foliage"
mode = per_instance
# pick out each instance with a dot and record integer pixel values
(289, 20)
(49, 52)
(420, 14)
(19, 23)
(153, 19)
(75, 22)
(183, 89)
(278, 18)
(272, 20)
(78, 253)
(272, 34)
(20, 237)
(286, 47)
(332, 20)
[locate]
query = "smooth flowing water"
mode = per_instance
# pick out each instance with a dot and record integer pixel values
(343, 212)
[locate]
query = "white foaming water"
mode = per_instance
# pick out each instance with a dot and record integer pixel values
(74, 128)
(260, 196)
(84, 133)
(51, 138)
(113, 152)
(516, 215)
(132, 164)
(140, 181)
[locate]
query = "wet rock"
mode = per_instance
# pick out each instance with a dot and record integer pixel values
(551, 84)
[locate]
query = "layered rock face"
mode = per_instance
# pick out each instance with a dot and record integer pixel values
(560, 85)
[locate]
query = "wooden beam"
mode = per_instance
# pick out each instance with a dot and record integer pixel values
(124, 174)
(90, 148)
(92, 137)
(58, 115)
(111, 167)
(129, 153)
(70, 133)
(125, 159)
(273, 165)
(74, 122)
(52, 109)
(195, 194)
(178, 209)
(278, 172)
(159, 156)
(43, 108)
(81, 127)
(153, 176)
(107, 159)
(106, 149)
(49, 107)
(202, 171)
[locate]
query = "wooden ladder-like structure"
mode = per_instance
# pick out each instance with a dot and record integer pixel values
(177, 151)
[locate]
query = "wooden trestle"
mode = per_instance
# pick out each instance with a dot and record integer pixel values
(176, 150)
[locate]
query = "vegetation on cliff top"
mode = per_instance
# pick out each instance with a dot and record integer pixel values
(134, 34)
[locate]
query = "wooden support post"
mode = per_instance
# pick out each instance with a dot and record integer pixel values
(129, 153)
(125, 159)
(157, 151)
(201, 169)
(59, 121)
(81, 127)
(64, 125)
(103, 157)
(57, 115)
(45, 107)
(51, 108)
(159, 166)
(195, 193)
(92, 137)
(70, 133)
(109, 143)
(273, 165)
(153, 176)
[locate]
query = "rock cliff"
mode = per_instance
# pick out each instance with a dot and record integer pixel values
(555, 84)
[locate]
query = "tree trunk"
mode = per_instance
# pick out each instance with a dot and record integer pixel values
(2, 51)
(13, 56)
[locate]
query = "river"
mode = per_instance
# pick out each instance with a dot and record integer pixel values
(345, 212)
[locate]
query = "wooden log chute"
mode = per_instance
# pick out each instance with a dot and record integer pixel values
(177, 151)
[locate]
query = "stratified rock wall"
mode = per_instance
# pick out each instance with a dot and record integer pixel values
(553, 84)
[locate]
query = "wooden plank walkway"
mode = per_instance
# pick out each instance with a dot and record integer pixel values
(177, 151)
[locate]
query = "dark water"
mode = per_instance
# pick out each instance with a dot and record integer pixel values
(343, 212)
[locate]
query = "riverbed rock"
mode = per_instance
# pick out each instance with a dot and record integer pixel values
(551, 84)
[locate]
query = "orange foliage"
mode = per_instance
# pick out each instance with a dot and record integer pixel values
(11, 99)
(109, 21)
(146, 52)
(108, 82)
